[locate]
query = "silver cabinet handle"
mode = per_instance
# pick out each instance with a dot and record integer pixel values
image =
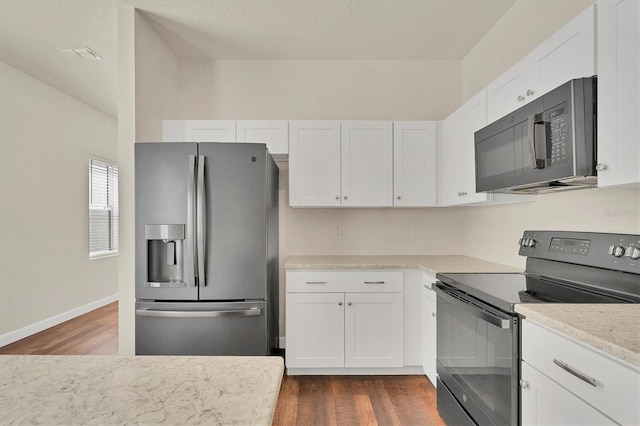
(316, 282)
(462, 193)
(349, 303)
(524, 384)
(433, 314)
(578, 374)
(399, 197)
(600, 167)
(345, 197)
(201, 215)
(189, 260)
(427, 287)
(520, 98)
(530, 92)
(198, 314)
(374, 282)
(337, 197)
(339, 303)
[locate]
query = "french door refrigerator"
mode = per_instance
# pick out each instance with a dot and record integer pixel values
(206, 248)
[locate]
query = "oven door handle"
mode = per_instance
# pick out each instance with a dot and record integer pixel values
(503, 323)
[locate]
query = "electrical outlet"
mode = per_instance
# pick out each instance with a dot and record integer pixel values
(415, 233)
(341, 232)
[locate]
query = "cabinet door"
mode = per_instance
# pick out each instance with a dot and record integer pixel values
(275, 133)
(451, 175)
(373, 330)
(618, 92)
(511, 90)
(315, 330)
(314, 163)
(474, 115)
(199, 131)
(568, 54)
(367, 163)
(414, 163)
(429, 329)
(545, 402)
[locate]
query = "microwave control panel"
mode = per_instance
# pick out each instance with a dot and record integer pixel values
(559, 135)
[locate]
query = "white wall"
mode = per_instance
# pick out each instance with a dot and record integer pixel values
(291, 90)
(491, 233)
(147, 82)
(47, 140)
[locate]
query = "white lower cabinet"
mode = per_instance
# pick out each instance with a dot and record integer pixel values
(315, 330)
(429, 328)
(373, 330)
(545, 402)
(361, 327)
(565, 382)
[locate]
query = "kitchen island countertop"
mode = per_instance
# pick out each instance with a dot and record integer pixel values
(612, 328)
(429, 264)
(85, 389)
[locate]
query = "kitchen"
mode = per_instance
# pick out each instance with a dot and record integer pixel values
(169, 87)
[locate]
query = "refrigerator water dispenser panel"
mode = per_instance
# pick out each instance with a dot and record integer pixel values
(165, 255)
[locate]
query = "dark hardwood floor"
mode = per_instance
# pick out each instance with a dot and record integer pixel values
(356, 400)
(303, 400)
(94, 333)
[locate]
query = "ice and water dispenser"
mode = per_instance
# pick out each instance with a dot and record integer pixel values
(165, 255)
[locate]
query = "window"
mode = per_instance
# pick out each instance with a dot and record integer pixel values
(103, 208)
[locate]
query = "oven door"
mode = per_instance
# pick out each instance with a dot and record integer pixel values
(477, 359)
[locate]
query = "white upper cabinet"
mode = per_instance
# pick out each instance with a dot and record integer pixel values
(450, 173)
(474, 115)
(511, 90)
(275, 133)
(198, 131)
(314, 163)
(568, 54)
(367, 163)
(414, 163)
(618, 92)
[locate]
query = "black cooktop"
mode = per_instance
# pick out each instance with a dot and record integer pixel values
(504, 290)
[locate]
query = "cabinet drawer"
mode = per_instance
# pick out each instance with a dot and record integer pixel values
(617, 387)
(321, 281)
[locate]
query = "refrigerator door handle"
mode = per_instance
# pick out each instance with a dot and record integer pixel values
(190, 264)
(202, 220)
(199, 314)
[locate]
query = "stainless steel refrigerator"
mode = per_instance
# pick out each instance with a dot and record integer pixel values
(206, 247)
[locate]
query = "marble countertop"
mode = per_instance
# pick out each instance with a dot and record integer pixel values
(428, 264)
(612, 328)
(101, 390)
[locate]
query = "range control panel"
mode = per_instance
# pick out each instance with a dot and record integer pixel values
(612, 251)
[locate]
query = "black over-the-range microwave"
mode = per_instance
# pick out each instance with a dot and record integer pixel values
(546, 145)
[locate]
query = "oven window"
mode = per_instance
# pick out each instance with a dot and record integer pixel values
(479, 356)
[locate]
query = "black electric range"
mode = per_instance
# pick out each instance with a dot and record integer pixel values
(479, 308)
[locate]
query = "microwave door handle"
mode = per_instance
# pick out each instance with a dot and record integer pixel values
(537, 147)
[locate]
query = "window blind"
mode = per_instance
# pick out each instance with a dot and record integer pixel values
(103, 208)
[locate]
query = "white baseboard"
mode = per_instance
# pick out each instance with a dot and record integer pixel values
(282, 342)
(39, 326)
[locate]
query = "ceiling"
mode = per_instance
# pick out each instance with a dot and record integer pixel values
(32, 33)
